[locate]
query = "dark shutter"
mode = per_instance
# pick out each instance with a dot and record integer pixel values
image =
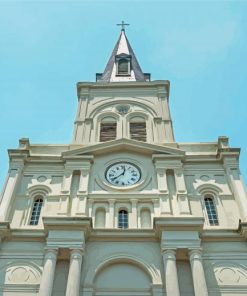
(108, 131)
(138, 131)
(123, 66)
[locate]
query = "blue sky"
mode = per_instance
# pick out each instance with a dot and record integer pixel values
(48, 46)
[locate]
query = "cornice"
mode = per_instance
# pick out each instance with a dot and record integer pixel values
(88, 85)
(123, 235)
(128, 144)
(161, 87)
(221, 235)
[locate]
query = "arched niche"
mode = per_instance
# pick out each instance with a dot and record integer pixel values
(100, 217)
(98, 266)
(122, 277)
(146, 218)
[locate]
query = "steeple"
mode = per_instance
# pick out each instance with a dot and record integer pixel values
(122, 65)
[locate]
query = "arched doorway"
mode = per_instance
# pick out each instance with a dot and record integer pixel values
(122, 279)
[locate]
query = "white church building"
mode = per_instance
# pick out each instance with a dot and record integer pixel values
(124, 209)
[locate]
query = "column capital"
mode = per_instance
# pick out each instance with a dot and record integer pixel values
(85, 170)
(51, 253)
(161, 170)
(169, 253)
(112, 201)
(134, 201)
(90, 201)
(76, 253)
(195, 254)
(155, 200)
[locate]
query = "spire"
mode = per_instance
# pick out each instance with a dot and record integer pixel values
(122, 65)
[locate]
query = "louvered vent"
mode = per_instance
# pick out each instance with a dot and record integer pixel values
(108, 131)
(138, 131)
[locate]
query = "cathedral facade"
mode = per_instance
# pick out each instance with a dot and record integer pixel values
(124, 210)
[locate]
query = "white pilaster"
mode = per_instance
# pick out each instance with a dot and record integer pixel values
(182, 198)
(179, 178)
(67, 178)
(111, 219)
(161, 178)
(160, 166)
(9, 189)
(90, 207)
(156, 204)
(47, 278)
(74, 277)
(84, 179)
(134, 217)
(165, 204)
(170, 271)
(199, 281)
(237, 185)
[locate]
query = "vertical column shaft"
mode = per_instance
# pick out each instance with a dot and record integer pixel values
(74, 277)
(170, 271)
(47, 278)
(199, 281)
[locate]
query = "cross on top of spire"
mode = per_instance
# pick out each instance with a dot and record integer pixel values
(123, 24)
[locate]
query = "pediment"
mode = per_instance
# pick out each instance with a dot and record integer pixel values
(125, 145)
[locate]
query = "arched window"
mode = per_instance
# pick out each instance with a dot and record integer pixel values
(211, 210)
(100, 218)
(137, 129)
(123, 220)
(123, 67)
(37, 206)
(108, 129)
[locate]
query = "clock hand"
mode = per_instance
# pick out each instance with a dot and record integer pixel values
(123, 171)
(118, 175)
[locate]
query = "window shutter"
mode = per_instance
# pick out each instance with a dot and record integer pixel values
(138, 131)
(108, 131)
(123, 67)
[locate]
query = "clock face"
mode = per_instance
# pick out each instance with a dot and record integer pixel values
(123, 174)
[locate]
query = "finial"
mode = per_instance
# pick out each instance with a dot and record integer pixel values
(123, 24)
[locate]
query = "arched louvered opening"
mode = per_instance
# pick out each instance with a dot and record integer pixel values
(123, 219)
(211, 210)
(137, 129)
(123, 67)
(108, 129)
(37, 206)
(145, 218)
(100, 218)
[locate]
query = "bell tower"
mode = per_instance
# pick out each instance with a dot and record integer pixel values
(123, 103)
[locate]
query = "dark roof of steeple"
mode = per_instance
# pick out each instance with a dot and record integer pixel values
(121, 49)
